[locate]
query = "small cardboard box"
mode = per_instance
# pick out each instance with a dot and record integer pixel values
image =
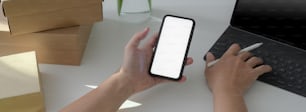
(61, 46)
(27, 16)
(20, 84)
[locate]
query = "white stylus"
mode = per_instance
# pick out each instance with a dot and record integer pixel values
(252, 47)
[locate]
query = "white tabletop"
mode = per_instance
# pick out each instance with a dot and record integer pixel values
(103, 56)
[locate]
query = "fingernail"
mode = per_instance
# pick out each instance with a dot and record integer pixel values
(209, 54)
(146, 29)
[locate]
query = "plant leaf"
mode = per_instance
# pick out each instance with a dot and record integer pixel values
(150, 5)
(119, 3)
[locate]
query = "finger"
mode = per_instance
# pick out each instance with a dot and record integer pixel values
(159, 80)
(209, 57)
(183, 79)
(260, 70)
(245, 55)
(189, 61)
(254, 61)
(233, 50)
(152, 42)
(134, 42)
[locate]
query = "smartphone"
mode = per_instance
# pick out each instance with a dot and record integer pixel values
(171, 50)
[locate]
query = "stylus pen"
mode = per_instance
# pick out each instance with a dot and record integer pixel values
(250, 48)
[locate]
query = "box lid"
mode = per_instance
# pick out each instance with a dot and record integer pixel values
(26, 7)
(57, 18)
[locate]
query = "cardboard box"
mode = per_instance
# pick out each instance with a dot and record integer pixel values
(20, 84)
(60, 46)
(27, 16)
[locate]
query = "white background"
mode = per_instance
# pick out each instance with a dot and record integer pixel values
(103, 56)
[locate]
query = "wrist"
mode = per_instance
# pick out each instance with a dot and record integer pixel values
(229, 102)
(118, 84)
(126, 82)
(227, 92)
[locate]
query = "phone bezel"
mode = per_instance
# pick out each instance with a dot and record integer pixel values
(186, 52)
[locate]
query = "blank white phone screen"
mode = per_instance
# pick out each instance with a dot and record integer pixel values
(171, 47)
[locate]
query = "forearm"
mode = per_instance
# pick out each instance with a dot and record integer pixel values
(229, 103)
(106, 98)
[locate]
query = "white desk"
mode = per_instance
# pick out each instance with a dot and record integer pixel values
(103, 56)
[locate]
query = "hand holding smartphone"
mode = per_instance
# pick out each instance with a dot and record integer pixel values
(172, 47)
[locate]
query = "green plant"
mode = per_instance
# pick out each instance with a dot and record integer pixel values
(119, 3)
(119, 6)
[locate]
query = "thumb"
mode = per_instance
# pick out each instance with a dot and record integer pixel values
(209, 57)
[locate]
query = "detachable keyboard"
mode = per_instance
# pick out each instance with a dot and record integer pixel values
(288, 63)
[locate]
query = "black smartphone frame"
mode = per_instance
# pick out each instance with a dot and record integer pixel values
(186, 51)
